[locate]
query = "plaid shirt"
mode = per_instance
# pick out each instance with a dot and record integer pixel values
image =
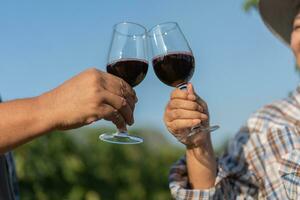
(261, 162)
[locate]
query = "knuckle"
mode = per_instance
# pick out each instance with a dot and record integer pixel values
(175, 127)
(112, 76)
(114, 115)
(93, 76)
(171, 104)
(195, 106)
(103, 111)
(101, 82)
(95, 89)
(168, 124)
(127, 90)
(121, 92)
(198, 115)
(122, 103)
(92, 70)
(121, 82)
(167, 110)
(167, 115)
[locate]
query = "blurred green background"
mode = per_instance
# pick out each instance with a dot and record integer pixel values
(79, 166)
(75, 165)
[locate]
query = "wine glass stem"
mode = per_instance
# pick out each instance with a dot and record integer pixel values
(122, 131)
(182, 86)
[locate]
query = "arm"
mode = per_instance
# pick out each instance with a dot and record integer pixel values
(201, 165)
(198, 175)
(21, 121)
(90, 96)
(233, 178)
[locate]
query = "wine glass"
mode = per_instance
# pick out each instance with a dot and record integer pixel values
(127, 59)
(173, 60)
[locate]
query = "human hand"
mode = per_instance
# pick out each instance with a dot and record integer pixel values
(87, 97)
(184, 111)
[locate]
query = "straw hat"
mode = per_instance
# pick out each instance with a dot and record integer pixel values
(279, 15)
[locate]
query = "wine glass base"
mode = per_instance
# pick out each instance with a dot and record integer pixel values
(200, 129)
(120, 138)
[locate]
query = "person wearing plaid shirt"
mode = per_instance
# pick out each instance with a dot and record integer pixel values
(263, 159)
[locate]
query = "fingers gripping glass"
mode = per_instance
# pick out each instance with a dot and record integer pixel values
(127, 59)
(173, 60)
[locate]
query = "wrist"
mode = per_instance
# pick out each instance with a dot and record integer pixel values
(199, 140)
(203, 149)
(46, 114)
(199, 152)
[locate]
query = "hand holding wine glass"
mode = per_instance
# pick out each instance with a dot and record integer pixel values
(173, 61)
(184, 111)
(102, 100)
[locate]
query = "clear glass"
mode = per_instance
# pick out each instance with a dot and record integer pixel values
(173, 60)
(129, 43)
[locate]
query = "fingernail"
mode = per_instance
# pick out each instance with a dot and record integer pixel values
(205, 117)
(196, 121)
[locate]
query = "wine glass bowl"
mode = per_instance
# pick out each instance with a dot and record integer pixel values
(133, 71)
(174, 69)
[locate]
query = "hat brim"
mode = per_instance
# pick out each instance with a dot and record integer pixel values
(279, 15)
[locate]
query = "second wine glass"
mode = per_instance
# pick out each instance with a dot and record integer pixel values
(173, 60)
(127, 59)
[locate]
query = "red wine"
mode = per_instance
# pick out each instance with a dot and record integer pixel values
(175, 68)
(132, 71)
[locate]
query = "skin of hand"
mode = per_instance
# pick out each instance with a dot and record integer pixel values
(184, 111)
(88, 97)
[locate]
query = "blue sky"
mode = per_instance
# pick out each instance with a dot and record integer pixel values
(240, 66)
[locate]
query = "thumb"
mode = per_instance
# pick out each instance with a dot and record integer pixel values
(190, 89)
(191, 92)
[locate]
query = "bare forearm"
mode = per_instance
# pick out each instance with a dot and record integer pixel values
(201, 164)
(21, 121)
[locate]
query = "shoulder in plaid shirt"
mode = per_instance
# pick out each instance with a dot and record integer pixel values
(262, 161)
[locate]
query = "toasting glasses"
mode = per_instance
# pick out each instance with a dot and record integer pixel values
(127, 59)
(173, 60)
